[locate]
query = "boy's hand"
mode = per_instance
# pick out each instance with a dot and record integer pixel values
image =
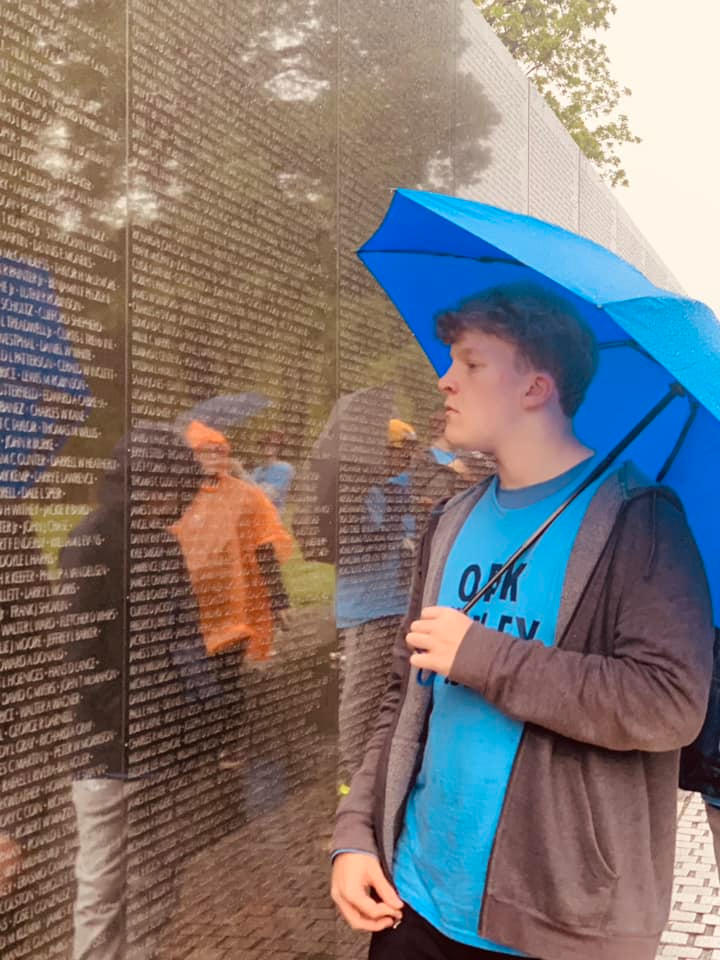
(435, 638)
(354, 875)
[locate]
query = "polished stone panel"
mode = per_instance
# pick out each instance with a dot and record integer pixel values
(597, 207)
(62, 311)
(490, 117)
(629, 242)
(233, 167)
(554, 167)
(655, 270)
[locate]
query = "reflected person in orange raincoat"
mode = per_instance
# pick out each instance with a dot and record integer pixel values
(233, 541)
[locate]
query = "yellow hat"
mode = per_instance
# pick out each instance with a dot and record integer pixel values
(398, 432)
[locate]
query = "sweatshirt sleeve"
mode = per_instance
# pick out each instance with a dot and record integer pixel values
(651, 693)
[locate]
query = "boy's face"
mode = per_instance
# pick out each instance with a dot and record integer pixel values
(485, 390)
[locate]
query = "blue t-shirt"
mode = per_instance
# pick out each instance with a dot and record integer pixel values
(455, 805)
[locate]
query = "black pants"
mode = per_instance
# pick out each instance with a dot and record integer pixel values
(416, 939)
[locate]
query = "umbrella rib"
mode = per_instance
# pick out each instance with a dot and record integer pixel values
(632, 344)
(453, 256)
(694, 407)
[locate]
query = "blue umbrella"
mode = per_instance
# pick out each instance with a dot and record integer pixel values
(44, 396)
(224, 411)
(660, 352)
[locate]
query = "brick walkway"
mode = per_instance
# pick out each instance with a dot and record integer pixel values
(694, 928)
(262, 891)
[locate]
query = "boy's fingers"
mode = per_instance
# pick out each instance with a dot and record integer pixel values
(360, 922)
(432, 613)
(385, 889)
(361, 906)
(425, 641)
(421, 661)
(417, 641)
(371, 909)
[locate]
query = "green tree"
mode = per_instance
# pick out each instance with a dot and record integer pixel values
(556, 42)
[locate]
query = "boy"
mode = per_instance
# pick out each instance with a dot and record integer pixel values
(518, 796)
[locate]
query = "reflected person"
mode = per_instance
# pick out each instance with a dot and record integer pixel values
(436, 470)
(234, 542)
(163, 478)
(274, 476)
(32, 777)
(372, 583)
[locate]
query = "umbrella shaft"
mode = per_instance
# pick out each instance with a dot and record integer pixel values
(676, 390)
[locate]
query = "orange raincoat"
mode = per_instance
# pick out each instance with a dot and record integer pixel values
(219, 534)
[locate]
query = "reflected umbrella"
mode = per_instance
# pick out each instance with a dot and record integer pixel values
(350, 450)
(224, 411)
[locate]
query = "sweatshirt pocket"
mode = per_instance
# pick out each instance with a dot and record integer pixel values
(548, 859)
(586, 833)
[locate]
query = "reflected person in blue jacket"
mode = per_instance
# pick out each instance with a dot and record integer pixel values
(378, 534)
(273, 475)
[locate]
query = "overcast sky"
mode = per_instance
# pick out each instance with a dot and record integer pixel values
(666, 52)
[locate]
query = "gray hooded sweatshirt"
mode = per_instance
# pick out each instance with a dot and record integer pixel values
(582, 862)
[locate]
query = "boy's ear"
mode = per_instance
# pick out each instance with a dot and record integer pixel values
(541, 390)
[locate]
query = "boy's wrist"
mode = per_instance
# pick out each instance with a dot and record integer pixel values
(337, 853)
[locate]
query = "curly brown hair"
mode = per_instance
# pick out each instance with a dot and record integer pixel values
(546, 330)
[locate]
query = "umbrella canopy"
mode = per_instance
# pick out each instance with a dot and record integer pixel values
(432, 252)
(224, 411)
